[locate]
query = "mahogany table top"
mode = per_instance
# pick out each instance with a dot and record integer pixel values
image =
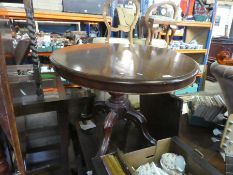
(125, 68)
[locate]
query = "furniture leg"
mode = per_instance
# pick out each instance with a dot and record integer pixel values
(148, 39)
(126, 130)
(172, 34)
(141, 26)
(131, 36)
(101, 106)
(108, 126)
(140, 121)
(152, 36)
(166, 30)
(64, 134)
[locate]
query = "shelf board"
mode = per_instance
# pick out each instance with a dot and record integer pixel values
(191, 51)
(181, 23)
(18, 13)
(176, 34)
(44, 54)
(199, 75)
(194, 24)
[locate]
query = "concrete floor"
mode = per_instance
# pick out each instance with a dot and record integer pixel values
(212, 88)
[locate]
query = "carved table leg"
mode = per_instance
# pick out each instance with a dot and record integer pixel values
(140, 121)
(120, 108)
(173, 30)
(101, 106)
(108, 126)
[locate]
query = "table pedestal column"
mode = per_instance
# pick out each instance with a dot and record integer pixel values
(119, 107)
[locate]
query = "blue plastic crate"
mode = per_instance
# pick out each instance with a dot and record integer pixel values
(45, 49)
(57, 47)
(188, 90)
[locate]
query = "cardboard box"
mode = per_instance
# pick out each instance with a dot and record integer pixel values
(195, 163)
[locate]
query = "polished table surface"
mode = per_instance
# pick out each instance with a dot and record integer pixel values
(125, 68)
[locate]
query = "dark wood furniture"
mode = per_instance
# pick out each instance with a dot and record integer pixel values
(121, 69)
(217, 45)
(25, 102)
(17, 55)
(58, 102)
(224, 58)
(168, 111)
(4, 167)
(7, 115)
(57, 154)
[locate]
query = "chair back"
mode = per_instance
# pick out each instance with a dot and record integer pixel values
(126, 24)
(155, 7)
(21, 51)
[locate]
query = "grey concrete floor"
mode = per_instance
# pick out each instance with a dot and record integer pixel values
(212, 88)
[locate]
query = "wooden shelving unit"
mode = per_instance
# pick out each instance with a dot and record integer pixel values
(202, 33)
(18, 13)
(193, 30)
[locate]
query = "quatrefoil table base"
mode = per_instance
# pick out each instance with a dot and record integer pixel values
(118, 108)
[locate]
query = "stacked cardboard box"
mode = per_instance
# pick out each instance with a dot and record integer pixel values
(195, 163)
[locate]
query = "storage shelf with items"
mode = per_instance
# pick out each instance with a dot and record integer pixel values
(19, 13)
(52, 20)
(188, 25)
(202, 36)
(199, 33)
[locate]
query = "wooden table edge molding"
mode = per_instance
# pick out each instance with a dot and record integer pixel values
(18, 13)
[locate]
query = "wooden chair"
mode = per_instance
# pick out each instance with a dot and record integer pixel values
(7, 115)
(21, 51)
(13, 105)
(160, 23)
(19, 54)
(127, 22)
(19, 99)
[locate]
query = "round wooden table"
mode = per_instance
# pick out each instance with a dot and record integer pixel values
(122, 69)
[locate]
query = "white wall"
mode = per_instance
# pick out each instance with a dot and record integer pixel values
(225, 12)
